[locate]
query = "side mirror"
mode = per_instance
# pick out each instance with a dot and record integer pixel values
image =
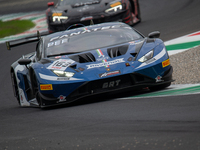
(24, 61)
(155, 34)
(50, 4)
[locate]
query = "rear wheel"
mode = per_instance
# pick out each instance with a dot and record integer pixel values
(138, 12)
(134, 13)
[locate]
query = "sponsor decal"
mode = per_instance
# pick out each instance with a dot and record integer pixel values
(100, 53)
(166, 63)
(57, 57)
(101, 56)
(62, 98)
(63, 79)
(46, 87)
(108, 69)
(158, 78)
(132, 43)
(127, 64)
(111, 84)
(86, 3)
(81, 69)
(104, 61)
(109, 73)
(58, 40)
(116, 61)
(77, 32)
(115, 4)
(57, 14)
(130, 58)
(61, 64)
(150, 61)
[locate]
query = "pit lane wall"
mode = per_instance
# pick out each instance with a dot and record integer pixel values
(173, 46)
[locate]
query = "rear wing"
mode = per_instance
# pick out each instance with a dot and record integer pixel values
(29, 39)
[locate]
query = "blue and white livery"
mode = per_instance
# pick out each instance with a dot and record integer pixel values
(90, 60)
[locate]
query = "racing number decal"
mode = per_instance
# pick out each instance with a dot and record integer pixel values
(61, 64)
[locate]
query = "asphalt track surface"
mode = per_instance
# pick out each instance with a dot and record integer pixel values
(107, 123)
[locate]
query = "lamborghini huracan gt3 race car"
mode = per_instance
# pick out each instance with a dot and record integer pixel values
(68, 12)
(90, 60)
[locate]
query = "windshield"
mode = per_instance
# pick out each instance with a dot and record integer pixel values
(77, 2)
(78, 42)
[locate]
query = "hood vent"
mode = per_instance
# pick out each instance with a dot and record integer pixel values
(83, 58)
(117, 51)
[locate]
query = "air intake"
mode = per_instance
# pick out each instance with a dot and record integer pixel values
(83, 58)
(117, 51)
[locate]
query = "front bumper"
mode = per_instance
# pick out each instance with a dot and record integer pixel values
(132, 81)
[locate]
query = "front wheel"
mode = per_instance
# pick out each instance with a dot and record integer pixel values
(15, 87)
(36, 89)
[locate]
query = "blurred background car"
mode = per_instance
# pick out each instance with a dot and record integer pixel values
(66, 13)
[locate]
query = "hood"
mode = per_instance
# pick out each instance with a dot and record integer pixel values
(101, 63)
(98, 59)
(84, 9)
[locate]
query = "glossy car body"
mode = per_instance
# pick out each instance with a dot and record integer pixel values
(88, 61)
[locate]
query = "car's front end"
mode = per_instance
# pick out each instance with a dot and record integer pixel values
(141, 65)
(76, 65)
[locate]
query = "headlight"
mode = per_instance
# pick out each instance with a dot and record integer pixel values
(58, 17)
(63, 73)
(114, 7)
(146, 57)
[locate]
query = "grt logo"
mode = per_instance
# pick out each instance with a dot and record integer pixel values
(111, 84)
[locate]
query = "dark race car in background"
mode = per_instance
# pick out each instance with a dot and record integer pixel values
(68, 12)
(73, 64)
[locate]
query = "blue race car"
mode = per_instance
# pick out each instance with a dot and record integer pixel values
(90, 60)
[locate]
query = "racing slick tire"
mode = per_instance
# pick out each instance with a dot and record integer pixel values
(139, 14)
(134, 19)
(15, 87)
(36, 89)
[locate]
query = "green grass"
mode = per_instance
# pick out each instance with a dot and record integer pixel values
(13, 27)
